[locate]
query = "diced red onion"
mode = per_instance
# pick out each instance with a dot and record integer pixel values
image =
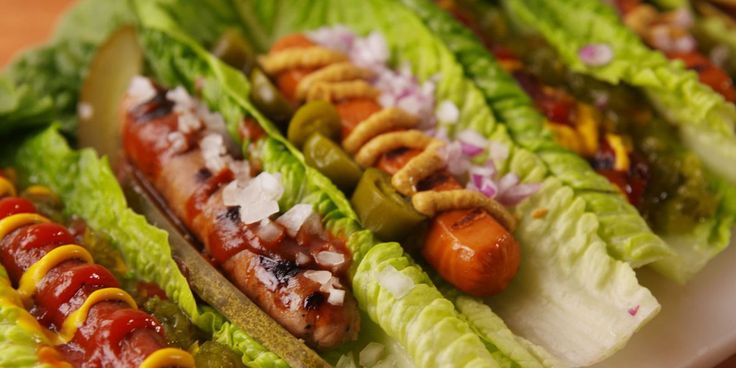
(319, 276)
(499, 151)
(338, 37)
(512, 196)
(634, 310)
(507, 181)
(269, 231)
(472, 143)
(295, 217)
(329, 259)
(685, 44)
(371, 354)
(683, 17)
(596, 54)
(370, 52)
(395, 282)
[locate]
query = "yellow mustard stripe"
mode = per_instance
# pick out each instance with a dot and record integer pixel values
(34, 274)
(168, 357)
(41, 191)
(76, 319)
(621, 163)
(12, 222)
(6, 187)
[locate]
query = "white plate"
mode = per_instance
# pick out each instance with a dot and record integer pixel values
(697, 325)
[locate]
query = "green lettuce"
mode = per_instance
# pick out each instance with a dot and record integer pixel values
(55, 72)
(89, 189)
(19, 342)
(708, 121)
(720, 33)
(572, 258)
(667, 83)
(175, 59)
(626, 234)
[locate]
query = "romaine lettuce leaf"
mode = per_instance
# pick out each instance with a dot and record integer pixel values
(576, 263)
(90, 190)
(20, 108)
(667, 84)
(710, 121)
(182, 62)
(626, 234)
(55, 72)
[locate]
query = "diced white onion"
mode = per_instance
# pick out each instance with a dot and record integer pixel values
(302, 259)
(140, 90)
(395, 282)
(188, 122)
(269, 231)
(329, 259)
(295, 217)
(213, 150)
(178, 142)
(371, 354)
(346, 361)
(319, 276)
(447, 112)
(258, 199)
(85, 110)
(183, 102)
(336, 297)
(266, 278)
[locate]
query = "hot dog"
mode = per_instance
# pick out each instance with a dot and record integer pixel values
(95, 322)
(282, 270)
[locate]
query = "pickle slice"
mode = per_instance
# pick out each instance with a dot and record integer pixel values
(116, 62)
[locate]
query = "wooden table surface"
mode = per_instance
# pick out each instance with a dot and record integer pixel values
(27, 23)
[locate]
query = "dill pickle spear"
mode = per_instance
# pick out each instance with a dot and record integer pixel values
(330, 159)
(315, 116)
(116, 62)
(382, 209)
(269, 99)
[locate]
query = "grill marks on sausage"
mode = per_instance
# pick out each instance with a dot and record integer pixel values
(283, 270)
(233, 214)
(468, 219)
(313, 301)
